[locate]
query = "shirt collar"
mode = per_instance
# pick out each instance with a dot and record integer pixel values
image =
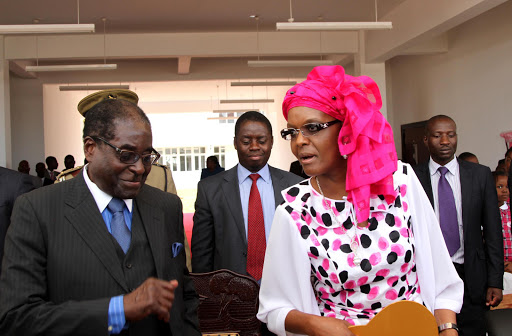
(452, 166)
(244, 173)
(102, 198)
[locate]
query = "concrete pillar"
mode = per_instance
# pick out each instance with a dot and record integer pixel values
(5, 110)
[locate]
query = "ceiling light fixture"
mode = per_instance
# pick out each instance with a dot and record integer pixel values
(70, 67)
(289, 63)
(222, 118)
(321, 26)
(234, 111)
(47, 29)
(244, 101)
(92, 87)
(276, 83)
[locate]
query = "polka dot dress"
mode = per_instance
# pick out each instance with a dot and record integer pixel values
(355, 282)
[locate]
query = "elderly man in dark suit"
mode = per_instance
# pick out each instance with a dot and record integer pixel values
(463, 195)
(231, 223)
(12, 185)
(102, 253)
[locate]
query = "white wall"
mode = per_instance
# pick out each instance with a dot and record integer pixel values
(27, 122)
(472, 83)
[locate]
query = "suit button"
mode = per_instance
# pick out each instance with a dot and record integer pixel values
(244, 254)
(128, 266)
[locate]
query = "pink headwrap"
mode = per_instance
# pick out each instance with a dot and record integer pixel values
(365, 137)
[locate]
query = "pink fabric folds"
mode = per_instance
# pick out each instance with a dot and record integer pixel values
(365, 137)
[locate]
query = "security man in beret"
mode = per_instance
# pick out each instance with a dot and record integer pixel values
(160, 176)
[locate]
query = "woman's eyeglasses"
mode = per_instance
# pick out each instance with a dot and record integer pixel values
(130, 157)
(307, 130)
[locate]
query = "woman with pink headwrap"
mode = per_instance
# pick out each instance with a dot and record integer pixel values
(360, 234)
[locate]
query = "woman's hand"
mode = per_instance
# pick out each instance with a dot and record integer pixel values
(508, 266)
(313, 325)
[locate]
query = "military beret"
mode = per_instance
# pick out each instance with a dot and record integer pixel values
(97, 97)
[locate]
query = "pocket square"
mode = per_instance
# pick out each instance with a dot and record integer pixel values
(176, 249)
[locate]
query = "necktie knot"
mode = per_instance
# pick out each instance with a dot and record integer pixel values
(443, 171)
(254, 177)
(116, 205)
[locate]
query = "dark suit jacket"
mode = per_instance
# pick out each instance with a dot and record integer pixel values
(483, 250)
(61, 268)
(12, 184)
(218, 237)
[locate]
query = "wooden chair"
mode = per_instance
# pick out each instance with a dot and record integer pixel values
(228, 303)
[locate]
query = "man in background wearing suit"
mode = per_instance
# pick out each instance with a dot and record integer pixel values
(473, 235)
(223, 220)
(102, 253)
(12, 185)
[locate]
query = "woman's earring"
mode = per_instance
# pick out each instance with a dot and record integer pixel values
(344, 156)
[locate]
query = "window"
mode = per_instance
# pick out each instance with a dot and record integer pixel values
(189, 158)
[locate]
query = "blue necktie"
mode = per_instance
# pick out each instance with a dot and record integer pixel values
(448, 213)
(119, 229)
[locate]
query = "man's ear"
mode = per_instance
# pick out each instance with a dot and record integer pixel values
(234, 142)
(90, 147)
(425, 141)
(271, 141)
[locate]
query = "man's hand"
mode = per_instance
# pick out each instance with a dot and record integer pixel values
(152, 297)
(494, 296)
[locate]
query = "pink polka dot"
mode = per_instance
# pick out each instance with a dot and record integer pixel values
(383, 272)
(362, 281)
(373, 293)
(403, 189)
(336, 244)
(325, 264)
(321, 230)
(334, 278)
(392, 280)
(323, 293)
(350, 284)
(381, 207)
(406, 206)
(295, 215)
(311, 255)
(404, 267)
(391, 294)
(314, 240)
(379, 216)
(290, 198)
(398, 221)
(351, 293)
(326, 204)
(318, 275)
(343, 296)
(359, 306)
(383, 244)
(308, 219)
(351, 321)
(299, 226)
(344, 313)
(350, 260)
(375, 258)
(339, 231)
(398, 249)
(319, 218)
(331, 315)
(404, 232)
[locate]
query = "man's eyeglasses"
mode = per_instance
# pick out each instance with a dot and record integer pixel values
(130, 157)
(307, 130)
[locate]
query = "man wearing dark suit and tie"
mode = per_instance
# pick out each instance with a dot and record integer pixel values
(463, 195)
(12, 185)
(102, 253)
(231, 224)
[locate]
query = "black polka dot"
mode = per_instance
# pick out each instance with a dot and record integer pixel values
(401, 291)
(326, 218)
(403, 277)
(365, 265)
(343, 276)
(394, 283)
(335, 294)
(313, 212)
(394, 235)
(378, 278)
(390, 220)
(413, 290)
(314, 251)
(293, 191)
(325, 243)
(381, 197)
(316, 232)
(365, 289)
(398, 202)
(340, 206)
(335, 264)
(305, 197)
(327, 307)
(304, 231)
(373, 224)
(345, 248)
(328, 283)
(391, 258)
(405, 170)
(304, 213)
(376, 305)
(409, 223)
(348, 224)
(408, 256)
(322, 271)
(305, 182)
(289, 209)
(350, 304)
(414, 268)
(366, 241)
(361, 316)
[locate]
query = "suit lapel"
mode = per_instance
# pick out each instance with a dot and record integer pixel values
(466, 190)
(231, 191)
(423, 174)
(83, 214)
(153, 221)
(277, 184)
